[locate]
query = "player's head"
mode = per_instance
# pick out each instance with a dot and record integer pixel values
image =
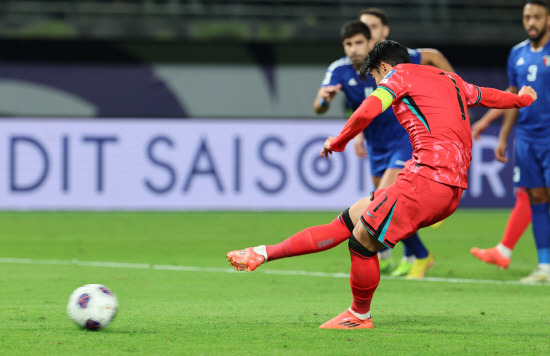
(535, 19)
(377, 20)
(382, 58)
(356, 41)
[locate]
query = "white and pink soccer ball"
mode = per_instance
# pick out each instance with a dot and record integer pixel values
(92, 306)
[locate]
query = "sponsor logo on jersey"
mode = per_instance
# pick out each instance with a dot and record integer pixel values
(546, 60)
(520, 61)
(352, 82)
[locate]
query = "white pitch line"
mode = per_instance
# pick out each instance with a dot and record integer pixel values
(231, 270)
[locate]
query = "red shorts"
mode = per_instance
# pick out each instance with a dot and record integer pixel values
(411, 203)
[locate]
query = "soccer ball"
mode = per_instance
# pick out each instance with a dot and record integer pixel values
(92, 306)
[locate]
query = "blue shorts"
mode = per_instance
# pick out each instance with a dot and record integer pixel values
(532, 164)
(394, 158)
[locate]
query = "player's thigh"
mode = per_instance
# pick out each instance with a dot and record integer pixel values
(528, 171)
(389, 177)
(357, 209)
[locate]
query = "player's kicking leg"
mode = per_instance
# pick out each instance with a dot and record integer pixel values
(311, 240)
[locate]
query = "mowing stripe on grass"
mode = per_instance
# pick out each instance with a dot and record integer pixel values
(231, 270)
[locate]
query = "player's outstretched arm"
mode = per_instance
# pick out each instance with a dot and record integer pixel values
(498, 99)
(490, 116)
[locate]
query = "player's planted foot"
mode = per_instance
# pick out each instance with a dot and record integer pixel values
(248, 259)
(492, 256)
(347, 321)
(421, 266)
(403, 269)
(538, 275)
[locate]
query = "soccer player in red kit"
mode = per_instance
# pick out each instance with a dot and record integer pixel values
(431, 105)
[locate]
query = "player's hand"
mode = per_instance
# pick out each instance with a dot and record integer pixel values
(478, 127)
(500, 152)
(329, 92)
(529, 91)
(326, 148)
(359, 147)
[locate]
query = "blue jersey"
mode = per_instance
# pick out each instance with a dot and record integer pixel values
(415, 55)
(529, 67)
(384, 134)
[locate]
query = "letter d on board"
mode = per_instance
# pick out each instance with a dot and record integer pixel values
(15, 164)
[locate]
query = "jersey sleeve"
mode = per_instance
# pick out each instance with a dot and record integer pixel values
(369, 109)
(511, 70)
(494, 98)
(498, 99)
(332, 77)
(473, 94)
(415, 55)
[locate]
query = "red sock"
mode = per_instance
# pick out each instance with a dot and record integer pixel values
(519, 219)
(364, 278)
(311, 240)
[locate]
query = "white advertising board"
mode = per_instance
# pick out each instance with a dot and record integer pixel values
(66, 164)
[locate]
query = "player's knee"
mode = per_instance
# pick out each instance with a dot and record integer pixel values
(346, 219)
(358, 247)
(365, 238)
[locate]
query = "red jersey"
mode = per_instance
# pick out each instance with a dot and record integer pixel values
(432, 106)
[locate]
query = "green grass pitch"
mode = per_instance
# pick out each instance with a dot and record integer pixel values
(177, 295)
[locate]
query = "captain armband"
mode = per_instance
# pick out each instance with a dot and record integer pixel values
(385, 97)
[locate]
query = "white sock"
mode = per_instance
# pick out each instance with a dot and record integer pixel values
(504, 251)
(260, 250)
(409, 259)
(384, 255)
(360, 316)
(545, 267)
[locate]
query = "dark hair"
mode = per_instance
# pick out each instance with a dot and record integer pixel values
(542, 3)
(354, 27)
(388, 51)
(374, 11)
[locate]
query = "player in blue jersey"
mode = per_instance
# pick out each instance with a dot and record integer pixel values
(529, 64)
(388, 143)
(377, 20)
(416, 259)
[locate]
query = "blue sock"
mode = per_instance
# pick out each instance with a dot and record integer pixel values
(541, 231)
(414, 246)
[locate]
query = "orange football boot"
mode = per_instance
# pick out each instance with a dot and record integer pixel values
(347, 321)
(245, 260)
(492, 256)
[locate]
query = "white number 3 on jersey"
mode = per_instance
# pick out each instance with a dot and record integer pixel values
(532, 75)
